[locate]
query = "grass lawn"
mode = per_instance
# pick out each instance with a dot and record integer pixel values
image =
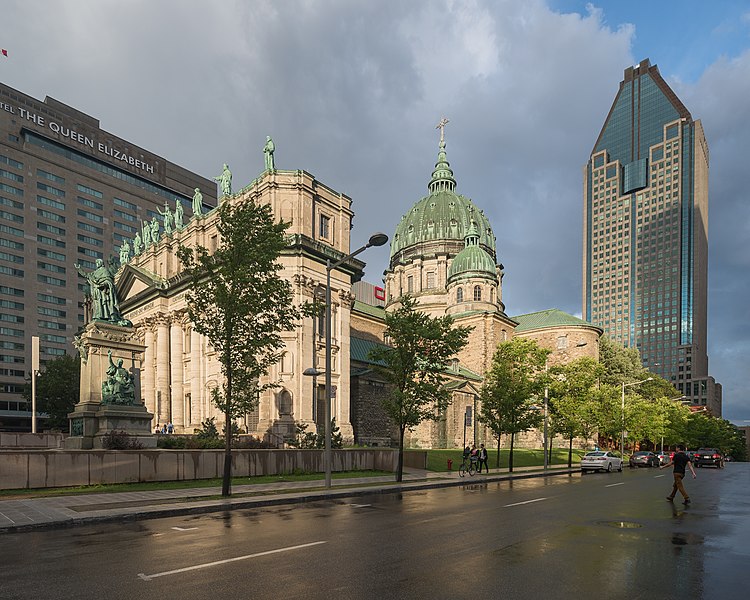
(180, 485)
(437, 460)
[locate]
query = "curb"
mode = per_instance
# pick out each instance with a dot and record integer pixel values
(277, 499)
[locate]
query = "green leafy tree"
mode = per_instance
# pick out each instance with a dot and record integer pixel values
(619, 363)
(511, 390)
(571, 386)
(239, 301)
(414, 363)
(57, 390)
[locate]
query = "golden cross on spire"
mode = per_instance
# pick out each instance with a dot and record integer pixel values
(441, 127)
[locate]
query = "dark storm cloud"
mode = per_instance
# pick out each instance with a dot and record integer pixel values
(351, 92)
(719, 99)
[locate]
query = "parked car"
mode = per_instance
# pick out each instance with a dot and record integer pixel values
(708, 456)
(664, 457)
(643, 458)
(601, 460)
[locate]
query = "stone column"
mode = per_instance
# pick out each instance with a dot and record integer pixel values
(196, 383)
(162, 369)
(177, 376)
(341, 403)
(147, 375)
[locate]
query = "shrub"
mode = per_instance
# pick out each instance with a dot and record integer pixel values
(207, 430)
(170, 443)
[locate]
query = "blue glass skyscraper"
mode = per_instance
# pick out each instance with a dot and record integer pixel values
(646, 233)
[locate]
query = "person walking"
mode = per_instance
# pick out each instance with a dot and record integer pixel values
(680, 460)
(483, 459)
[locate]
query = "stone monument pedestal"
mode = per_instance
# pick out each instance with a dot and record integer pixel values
(92, 418)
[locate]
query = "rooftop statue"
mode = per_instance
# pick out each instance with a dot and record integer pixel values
(197, 203)
(137, 244)
(103, 295)
(178, 214)
(225, 181)
(146, 227)
(119, 387)
(154, 230)
(268, 153)
(124, 253)
(168, 218)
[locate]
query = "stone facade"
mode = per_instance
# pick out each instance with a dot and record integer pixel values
(180, 368)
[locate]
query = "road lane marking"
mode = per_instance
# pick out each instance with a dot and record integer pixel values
(526, 502)
(184, 528)
(657, 476)
(614, 484)
(359, 505)
(145, 577)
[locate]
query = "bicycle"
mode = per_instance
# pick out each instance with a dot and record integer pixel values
(469, 467)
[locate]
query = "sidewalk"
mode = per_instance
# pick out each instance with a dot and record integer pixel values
(64, 511)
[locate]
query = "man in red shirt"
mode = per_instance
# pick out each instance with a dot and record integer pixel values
(680, 460)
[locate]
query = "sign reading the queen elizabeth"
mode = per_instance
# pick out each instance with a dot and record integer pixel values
(78, 135)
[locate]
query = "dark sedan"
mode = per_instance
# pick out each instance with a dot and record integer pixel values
(708, 457)
(644, 459)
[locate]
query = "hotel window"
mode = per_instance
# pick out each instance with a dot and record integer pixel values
(50, 189)
(125, 204)
(324, 227)
(90, 203)
(90, 191)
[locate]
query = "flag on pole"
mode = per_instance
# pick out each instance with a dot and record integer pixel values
(3, 51)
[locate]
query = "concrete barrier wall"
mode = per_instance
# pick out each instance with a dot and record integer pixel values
(30, 440)
(20, 469)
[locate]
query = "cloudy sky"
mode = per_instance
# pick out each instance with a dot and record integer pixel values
(351, 91)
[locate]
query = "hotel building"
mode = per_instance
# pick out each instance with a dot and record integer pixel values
(70, 193)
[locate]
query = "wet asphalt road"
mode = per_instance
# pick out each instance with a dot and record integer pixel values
(603, 535)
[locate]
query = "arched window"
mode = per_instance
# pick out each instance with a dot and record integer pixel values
(477, 292)
(285, 403)
(460, 295)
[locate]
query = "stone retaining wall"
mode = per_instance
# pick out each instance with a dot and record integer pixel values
(21, 469)
(30, 440)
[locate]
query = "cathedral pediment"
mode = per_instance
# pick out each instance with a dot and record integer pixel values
(133, 281)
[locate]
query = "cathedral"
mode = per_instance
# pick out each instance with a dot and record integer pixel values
(443, 252)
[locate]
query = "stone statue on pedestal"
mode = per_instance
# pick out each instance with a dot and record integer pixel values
(104, 299)
(119, 387)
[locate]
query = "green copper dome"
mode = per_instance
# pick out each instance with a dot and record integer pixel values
(472, 261)
(443, 215)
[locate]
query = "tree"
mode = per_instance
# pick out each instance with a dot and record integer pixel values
(571, 387)
(512, 387)
(237, 299)
(414, 362)
(619, 363)
(57, 390)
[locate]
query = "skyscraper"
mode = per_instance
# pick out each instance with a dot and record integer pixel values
(645, 233)
(70, 194)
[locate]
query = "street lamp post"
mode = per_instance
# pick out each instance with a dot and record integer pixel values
(622, 428)
(376, 239)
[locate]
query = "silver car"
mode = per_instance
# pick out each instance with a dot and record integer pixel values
(601, 460)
